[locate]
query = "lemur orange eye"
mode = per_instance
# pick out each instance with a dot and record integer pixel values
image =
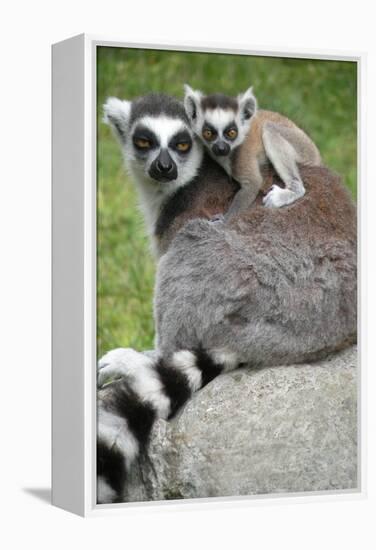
(183, 146)
(142, 143)
(207, 134)
(232, 133)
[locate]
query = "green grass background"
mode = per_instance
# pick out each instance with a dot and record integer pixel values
(320, 96)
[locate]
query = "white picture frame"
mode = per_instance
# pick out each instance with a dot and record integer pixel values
(74, 274)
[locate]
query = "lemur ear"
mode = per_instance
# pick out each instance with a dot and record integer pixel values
(247, 104)
(116, 114)
(192, 101)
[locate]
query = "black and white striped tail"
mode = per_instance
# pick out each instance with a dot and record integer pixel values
(142, 389)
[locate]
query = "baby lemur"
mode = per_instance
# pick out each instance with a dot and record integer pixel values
(244, 140)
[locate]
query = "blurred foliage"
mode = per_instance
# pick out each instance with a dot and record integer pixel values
(320, 96)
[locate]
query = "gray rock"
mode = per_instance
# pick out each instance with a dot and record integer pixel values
(258, 431)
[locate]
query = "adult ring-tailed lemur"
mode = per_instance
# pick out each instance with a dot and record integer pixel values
(267, 288)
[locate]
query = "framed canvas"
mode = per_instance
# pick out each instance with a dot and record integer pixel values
(206, 303)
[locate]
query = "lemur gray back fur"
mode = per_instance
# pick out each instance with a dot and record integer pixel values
(273, 287)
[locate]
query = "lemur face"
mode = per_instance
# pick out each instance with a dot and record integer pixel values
(220, 121)
(159, 146)
(158, 143)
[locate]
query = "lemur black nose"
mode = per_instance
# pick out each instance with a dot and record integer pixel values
(164, 163)
(221, 148)
(163, 168)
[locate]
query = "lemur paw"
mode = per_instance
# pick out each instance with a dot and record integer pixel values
(277, 197)
(119, 363)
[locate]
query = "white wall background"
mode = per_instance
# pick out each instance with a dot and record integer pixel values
(27, 30)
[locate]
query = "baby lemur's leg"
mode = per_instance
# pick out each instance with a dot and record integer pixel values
(251, 182)
(282, 146)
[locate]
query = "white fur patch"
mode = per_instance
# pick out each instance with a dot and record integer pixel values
(140, 375)
(105, 493)
(228, 359)
(163, 127)
(117, 111)
(192, 100)
(247, 101)
(185, 361)
(219, 118)
(113, 431)
(121, 355)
